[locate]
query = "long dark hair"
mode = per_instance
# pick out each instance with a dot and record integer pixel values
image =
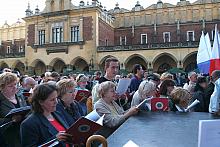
(41, 93)
(164, 85)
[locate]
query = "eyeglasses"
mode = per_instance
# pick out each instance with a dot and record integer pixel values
(70, 92)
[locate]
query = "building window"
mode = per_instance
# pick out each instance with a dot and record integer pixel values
(106, 42)
(41, 37)
(123, 40)
(190, 36)
(21, 49)
(57, 34)
(166, 37)
(8, 49)
(143, 38)
(75, 34)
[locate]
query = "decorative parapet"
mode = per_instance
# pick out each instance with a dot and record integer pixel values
(169, 45)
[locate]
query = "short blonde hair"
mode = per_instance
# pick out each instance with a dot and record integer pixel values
(104, 87)
(63, 84)
(81, 78)
(179, 94)
(166, 76)
(7, 78)
(145, 88)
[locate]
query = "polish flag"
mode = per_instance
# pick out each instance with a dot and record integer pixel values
(204, 54)
(215, 58)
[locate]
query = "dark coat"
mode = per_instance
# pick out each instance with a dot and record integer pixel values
(208, 92)
(76, 112)
(6, 106)
(135, 82)
(36, 129)
(200, 107)
(10, 132)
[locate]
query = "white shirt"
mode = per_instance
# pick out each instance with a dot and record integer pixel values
(215, 98)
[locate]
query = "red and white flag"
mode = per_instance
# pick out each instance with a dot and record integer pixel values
(215, 57)
(159, 104)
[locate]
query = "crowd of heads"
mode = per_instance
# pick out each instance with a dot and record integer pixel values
(52, 88)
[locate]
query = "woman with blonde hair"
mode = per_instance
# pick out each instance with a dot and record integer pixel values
(8, 101)
(69, 107)
(180, 99)
(166, 76)
(114, 114)
(86, 103)
(145, 90)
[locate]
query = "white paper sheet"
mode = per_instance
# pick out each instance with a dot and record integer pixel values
(94, 116)
(130, 143)
(209, 133)
(192, 105)
(123, 86)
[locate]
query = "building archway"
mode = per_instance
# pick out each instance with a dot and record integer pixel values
(135, 59)
(59, 66)
(189, 62)
(3, 65)
(164, 62)
(19, 66)
(39, 67)
(80, 64)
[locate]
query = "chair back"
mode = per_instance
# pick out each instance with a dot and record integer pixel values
(99, 138)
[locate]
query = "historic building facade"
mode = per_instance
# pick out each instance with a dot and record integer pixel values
(64, 37)
(12, 46)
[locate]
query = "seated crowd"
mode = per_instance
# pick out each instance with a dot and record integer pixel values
(54, 107)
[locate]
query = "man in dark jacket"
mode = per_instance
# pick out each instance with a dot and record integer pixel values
(137, 78)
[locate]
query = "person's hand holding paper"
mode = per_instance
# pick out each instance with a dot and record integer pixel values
(123, 86)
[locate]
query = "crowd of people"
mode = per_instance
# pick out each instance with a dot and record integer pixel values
(54, 107)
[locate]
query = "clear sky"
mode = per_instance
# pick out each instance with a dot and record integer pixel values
(12, 10)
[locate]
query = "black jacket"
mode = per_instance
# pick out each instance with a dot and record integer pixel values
(10, 132)
(36, 129)
(76, 111)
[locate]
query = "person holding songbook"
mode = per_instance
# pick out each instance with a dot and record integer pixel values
(145, 90)
(199, 94)
(44, 124)
(180, 99)
(69, 107)
(9, 100)
(82, 80)
(114, 114)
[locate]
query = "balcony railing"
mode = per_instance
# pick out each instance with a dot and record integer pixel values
(168, 45)
(58, 44)
(12, 55)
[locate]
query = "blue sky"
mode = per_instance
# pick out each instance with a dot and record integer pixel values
(12, 10)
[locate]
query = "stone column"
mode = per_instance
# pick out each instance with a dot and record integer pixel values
(49, 68)
(149, 66)
(66, 30)
(81, 29)
(29, 70)
(180, 65)
(48, 33)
